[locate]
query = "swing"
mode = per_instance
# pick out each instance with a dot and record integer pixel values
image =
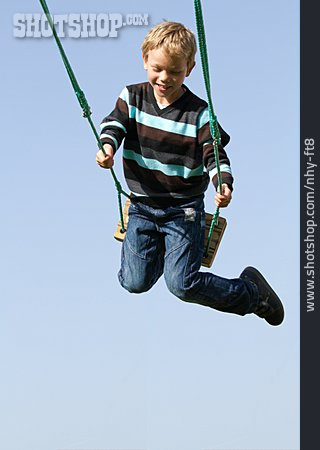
(215, 225)
(214, 242)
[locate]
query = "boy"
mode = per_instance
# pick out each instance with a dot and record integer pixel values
(168, 161)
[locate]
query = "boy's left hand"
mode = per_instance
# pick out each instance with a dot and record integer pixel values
(222, 200)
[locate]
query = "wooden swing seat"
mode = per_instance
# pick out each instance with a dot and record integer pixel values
(214, 243)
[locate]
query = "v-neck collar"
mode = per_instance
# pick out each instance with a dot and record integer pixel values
(162, 111)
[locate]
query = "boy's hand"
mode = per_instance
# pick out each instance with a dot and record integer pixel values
(105, 161)
(222, 200)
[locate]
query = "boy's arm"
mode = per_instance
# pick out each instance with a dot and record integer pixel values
(222, 199)
(113, 130)
(205, 140)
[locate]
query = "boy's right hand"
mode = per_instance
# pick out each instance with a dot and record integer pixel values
(105, 161)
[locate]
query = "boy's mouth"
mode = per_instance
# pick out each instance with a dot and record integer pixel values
(162, 87)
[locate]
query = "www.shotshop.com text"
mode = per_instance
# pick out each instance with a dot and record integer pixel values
(310, 223)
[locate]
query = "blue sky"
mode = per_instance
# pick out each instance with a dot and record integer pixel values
(85, 365)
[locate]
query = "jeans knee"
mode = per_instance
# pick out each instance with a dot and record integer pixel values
(176, 288)
(133, 285)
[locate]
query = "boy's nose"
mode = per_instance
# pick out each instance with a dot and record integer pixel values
(164, 76)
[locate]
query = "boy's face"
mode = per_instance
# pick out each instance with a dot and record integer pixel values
(166, 75)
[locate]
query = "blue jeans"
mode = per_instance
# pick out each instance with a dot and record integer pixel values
(170, 241)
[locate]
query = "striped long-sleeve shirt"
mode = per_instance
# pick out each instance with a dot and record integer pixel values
(166, 152)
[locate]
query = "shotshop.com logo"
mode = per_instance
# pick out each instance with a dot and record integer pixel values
(82, 25)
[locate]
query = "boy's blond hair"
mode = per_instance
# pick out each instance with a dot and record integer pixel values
(174, 38)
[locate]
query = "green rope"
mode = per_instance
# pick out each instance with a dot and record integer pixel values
(214, 129)
(84, 105)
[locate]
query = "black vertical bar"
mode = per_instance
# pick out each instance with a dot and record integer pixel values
(309, 224)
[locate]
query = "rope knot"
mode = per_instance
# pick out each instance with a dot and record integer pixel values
(84, 103)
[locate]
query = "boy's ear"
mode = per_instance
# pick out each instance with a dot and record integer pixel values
(190, 69)
(145, 60)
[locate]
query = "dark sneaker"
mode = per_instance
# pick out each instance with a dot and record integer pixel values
(270, 307)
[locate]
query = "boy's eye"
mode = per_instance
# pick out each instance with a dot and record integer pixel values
(175, 72)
